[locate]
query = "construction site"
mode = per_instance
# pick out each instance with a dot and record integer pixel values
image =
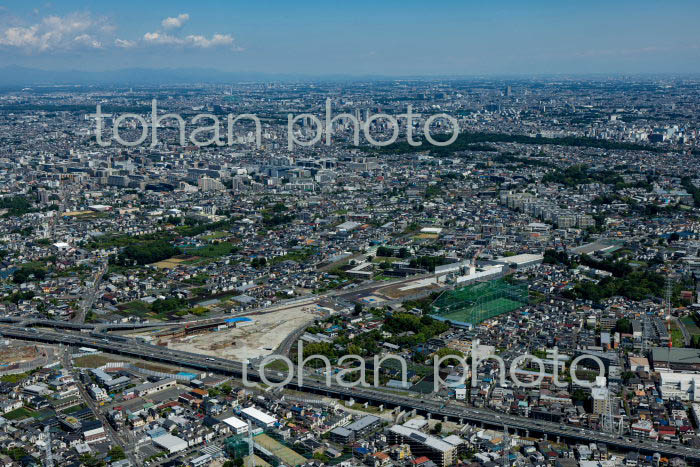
(15, 359)
(475, 303)
(241, 338)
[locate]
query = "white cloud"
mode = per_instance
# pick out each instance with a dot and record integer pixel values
(88, 40)
(162, 38)
(56, 33)
(124, 43)
(215, 41)
(175, 22)
(83, 31)
(20, 37)
(194, 40)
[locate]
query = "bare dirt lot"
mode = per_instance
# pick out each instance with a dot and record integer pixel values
(168, 263)
(407, 288)
(248, 342)
(99, 359)
(17, 354)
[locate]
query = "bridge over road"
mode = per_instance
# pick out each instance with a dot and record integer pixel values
(435, 409)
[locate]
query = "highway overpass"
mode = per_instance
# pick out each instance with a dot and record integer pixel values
(435, 409)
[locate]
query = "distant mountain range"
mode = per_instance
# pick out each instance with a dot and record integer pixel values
(22, 76)
(14, 76)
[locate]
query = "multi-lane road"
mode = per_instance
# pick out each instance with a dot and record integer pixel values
(113, 435)
(453, 411)
(91, 295)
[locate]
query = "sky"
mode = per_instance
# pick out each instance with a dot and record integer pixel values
(358, 37)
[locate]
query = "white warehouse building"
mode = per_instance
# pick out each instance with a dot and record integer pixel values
(258, 417)
(170, 443)
(237, 425)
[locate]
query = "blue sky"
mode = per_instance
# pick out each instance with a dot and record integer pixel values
(381, 37)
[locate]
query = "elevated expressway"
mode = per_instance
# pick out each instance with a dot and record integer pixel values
(435, 409)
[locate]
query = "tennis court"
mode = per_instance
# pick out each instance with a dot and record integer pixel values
(280, 451)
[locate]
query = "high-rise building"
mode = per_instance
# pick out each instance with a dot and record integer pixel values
(600, 400)
(210, 184)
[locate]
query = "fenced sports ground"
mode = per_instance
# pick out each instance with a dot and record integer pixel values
(475, 303)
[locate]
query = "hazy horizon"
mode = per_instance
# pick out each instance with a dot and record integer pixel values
(365, 38)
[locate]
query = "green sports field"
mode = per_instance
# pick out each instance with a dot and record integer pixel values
(478, 302)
